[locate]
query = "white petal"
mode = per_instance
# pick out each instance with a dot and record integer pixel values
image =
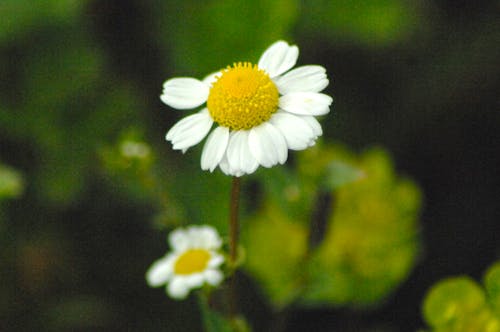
(213, 277)
(314, 124)
(311, 78)
(212, 239)
(184, 123)
(184, 92)
(267, 145)
(224, 166)
(297, 132)
(278, 58)
(194, 236)
(160, 272)
(178, 240)
(177, 288)
(203, 236)
(211, 78)
(241, 161)
(216, 260)
(306, 103)
(214, 148)
(194, 280)
(190, 130)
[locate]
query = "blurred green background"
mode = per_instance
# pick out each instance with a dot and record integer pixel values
(89, 188)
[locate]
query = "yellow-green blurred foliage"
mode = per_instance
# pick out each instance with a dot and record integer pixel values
(25, 15)
(68, 106)
(11, 182)
(459, 304)
(11, 186)
(216, 33)
(373, 23)
(371, 240)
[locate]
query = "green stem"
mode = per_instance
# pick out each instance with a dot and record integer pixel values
(233, 244)
(233, 219)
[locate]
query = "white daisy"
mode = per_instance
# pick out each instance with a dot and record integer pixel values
(261, 111)
(195, 260)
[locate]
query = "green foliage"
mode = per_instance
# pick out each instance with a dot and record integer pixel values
(340, 173)
(67, 109)
(276, 247)
(129, 164)
(460, 304)
(11, 182)
(452, 299)
(373, 219)
(194, 191)
(219, 32)
(11, 186)
(492, 285)
(25, 15)
(369, 23)
(137, 172)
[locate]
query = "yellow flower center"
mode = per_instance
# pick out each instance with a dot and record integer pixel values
(243, 97)
(192, 261)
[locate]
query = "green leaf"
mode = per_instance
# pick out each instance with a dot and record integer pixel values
(451, 300)
(492, 285)
(459, 304)
(288, 192)
(11, 182)
(341, 173)
(373, 220)
(276, 248)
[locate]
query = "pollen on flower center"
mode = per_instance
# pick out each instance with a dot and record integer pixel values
(243, 97)
(192, 261)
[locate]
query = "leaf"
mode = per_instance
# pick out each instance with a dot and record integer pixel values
(492, 285)
(453, 299)
(288, 192)
(459, 304)
(373, 220)
(340, 173)
(276, 247)
(11, 182)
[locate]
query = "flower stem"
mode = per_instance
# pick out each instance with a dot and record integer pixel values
(233, 219)
(233, 243)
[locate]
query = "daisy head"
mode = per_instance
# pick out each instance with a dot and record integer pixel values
(260, 111)
(195, 260)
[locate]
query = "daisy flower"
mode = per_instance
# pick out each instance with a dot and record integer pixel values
(260, 111)
(195, 260)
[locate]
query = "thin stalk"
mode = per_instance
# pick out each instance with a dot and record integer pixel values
(233, 243)
(233, 219)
